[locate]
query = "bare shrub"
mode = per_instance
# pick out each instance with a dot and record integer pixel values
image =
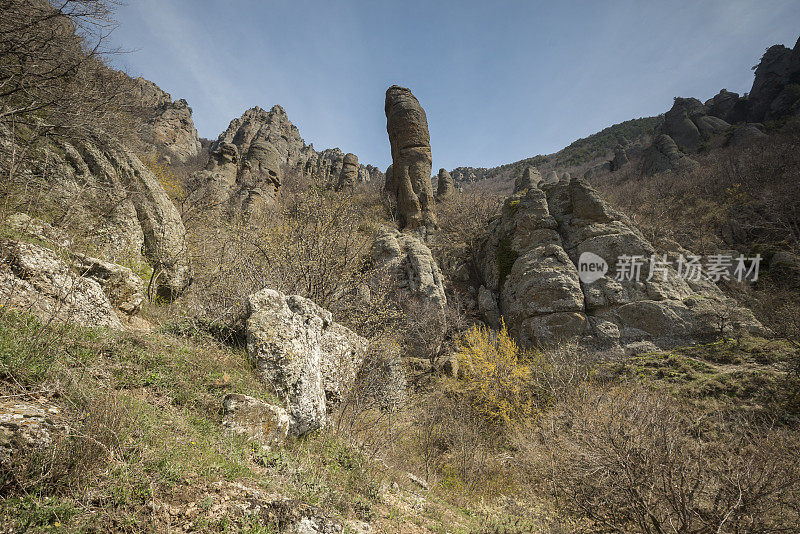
(53, 81)
(314, 244)
(635, 460)
(75, 453)
(463, 221)
(452, 438)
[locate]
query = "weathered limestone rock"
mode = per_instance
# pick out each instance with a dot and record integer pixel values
(726, 106)
(530, 260)
(746, 133)
(778, 69)
(27, 423)
(412, 263)
(529, 179)
(25, 224)
(620, 158)
(259, 179)
(689, 124)
(407, 126)
(255, 419)
(169, 126)
(297, 348)
(342, 353)
(445, 188)
(124, 289)
(249, 158)
(551, 178)
(102, 183)
(34, 279)
(349, 174)
(664, 156)
(487, 305)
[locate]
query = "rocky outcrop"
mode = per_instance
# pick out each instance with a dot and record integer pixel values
(530, 178)
(241, 506)
(620, 158)
(530, 262)
(255, 419)
(43, 231)
(776, 89)
(258, 181)
(746, 133)
(248, 160)
(124, 289)
(28, 423)
(664, 156)
(689, 124)
(349, 174)
(445, 188)
(487, 305)
(307, 358)
(169, 125)
(727, 106)
(100, 182)
(407, 126)
(411, 262)
(551, 178)
(35, 279)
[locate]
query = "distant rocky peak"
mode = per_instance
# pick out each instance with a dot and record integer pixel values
(168, 127)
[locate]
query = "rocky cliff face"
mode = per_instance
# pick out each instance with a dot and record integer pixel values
(529, 266)
(169, 126)
(105, 187)
(775, 90)
(245, 169)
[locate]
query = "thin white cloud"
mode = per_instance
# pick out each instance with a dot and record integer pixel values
(183, 43)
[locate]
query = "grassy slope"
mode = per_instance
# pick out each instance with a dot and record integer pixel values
(160, 395)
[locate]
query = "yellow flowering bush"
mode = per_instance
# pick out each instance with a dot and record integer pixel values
(499, 374)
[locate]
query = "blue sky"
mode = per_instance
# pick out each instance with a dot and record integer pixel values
(499, 80)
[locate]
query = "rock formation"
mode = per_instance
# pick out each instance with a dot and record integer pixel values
(169, 126)
(530, 263)
(775, 90)
(124, 289)
(445, 188)
(412, 263)
(98, 179)
(664, 155)
(259, 179)
(689, 123)
(349, 174)
(35, 279)
(620, 158)
(297, 348)
(255, 419)
(529, 178)
(245, 170)
(727, 106)
(407, 126)
(746, 133)
(551, 178)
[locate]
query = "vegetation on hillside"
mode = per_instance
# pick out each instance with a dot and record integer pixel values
(492, 436)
